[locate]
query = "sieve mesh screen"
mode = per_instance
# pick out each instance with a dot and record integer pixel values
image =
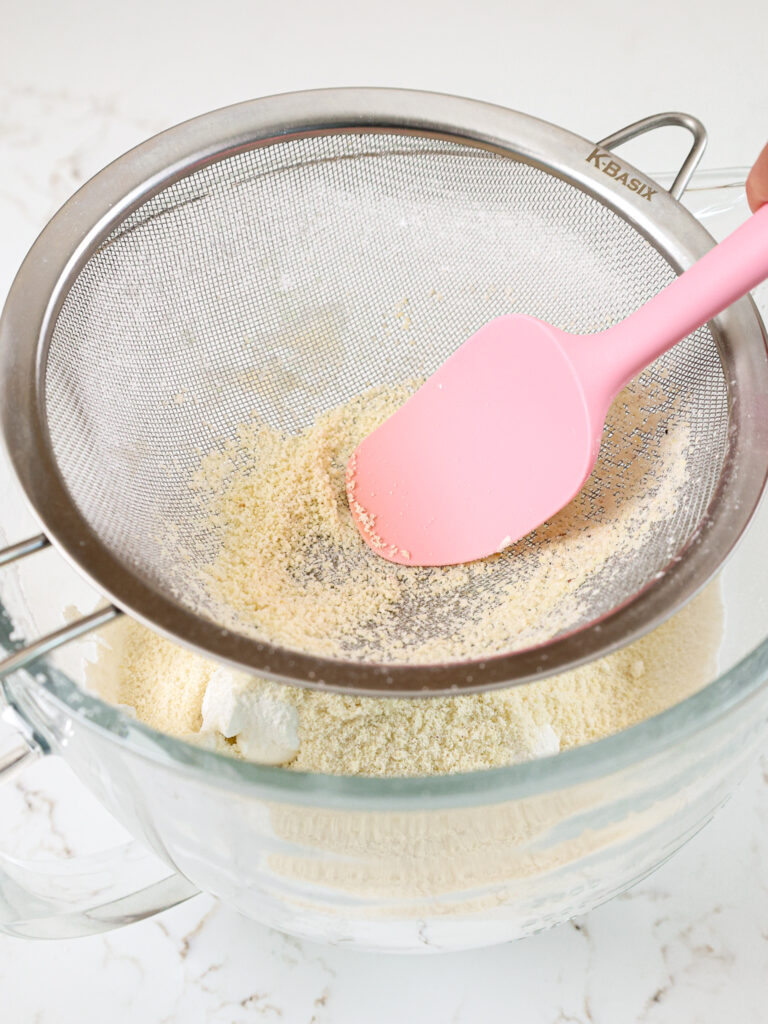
(285, 279)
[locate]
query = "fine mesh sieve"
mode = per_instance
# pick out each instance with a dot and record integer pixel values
(258, 262)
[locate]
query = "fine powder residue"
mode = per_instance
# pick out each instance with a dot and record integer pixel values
(290, 567)
(347, 735)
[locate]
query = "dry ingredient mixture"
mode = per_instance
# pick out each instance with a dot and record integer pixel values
(169, 688)
(290, 565)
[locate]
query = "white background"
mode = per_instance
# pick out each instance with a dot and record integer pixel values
(80, 83)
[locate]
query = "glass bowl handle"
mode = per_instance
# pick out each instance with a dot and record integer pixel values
(82, 895)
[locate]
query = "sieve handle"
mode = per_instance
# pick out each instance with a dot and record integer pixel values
(24, 656)
(668, 119)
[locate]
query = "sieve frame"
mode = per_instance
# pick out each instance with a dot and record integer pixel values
(83, 223)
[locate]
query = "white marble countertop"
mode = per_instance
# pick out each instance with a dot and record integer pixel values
(80, 83)
(687, 946)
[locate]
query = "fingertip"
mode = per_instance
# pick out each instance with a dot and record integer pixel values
(757, 182)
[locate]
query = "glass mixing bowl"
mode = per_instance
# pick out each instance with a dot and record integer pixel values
(438, 863)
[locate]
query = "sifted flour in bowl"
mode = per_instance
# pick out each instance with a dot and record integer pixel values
(167, 685)
(289, 565)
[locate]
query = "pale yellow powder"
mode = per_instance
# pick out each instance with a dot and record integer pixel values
(291, 566)
(370, 736)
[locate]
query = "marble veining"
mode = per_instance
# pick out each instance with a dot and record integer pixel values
(690, 944)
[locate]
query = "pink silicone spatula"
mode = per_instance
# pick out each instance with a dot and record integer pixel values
(507, 431)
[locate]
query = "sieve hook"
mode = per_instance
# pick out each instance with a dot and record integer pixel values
(45, 644)
(673, 119)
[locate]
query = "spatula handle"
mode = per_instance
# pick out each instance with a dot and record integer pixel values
(721, 276)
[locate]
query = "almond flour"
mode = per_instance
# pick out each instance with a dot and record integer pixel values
(291, 567)
(344, 735)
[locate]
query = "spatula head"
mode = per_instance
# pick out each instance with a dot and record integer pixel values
(491, 446)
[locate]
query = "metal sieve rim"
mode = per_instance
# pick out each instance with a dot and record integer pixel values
(85, 220)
